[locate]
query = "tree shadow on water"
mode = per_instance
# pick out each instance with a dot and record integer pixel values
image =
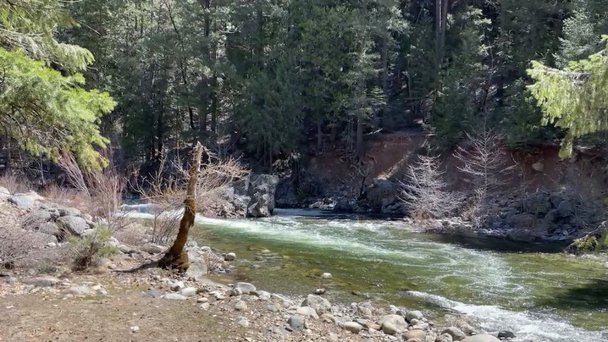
(592, 295)
(499, 245)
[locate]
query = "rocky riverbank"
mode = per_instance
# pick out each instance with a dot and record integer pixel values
(48, 300)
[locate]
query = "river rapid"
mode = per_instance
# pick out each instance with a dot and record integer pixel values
(531, 290)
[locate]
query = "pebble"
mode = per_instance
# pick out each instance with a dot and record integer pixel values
(205, 306)
(242, 321)
(188, 292)
(240, 305)
(326, 275)
(174, 296)
(263, 295)
(134, 329)
(230, 256)
(202, 300)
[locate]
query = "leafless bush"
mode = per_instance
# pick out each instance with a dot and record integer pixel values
(19, 247)
(100, 191)
(134, 234)
(87, 251)
(166, 190)
(425, 190)
(15, 184)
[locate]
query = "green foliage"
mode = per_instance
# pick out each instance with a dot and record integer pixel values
(88, 250)
(574, 98)
(45, 111)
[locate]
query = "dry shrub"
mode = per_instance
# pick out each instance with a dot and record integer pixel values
(15, 184)
(166, 189)
(21, 248)
(88, 250)
(134, 234)
(99, 192)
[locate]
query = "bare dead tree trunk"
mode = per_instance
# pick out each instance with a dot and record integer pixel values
(176, 257)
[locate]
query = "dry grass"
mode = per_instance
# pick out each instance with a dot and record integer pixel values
(15, 184)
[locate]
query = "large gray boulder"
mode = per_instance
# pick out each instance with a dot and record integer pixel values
(261, 190)
(75, 225)
(26, 200)
(382, 196)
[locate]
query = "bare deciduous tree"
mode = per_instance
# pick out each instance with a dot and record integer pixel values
(425, 190)
(485, 165)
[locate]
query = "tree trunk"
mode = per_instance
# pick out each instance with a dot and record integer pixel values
(359, 139)
(176, 257)
(441, 15)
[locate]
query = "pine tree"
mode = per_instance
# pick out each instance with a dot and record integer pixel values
(574, 98)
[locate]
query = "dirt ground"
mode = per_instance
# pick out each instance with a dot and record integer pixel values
(48, 314)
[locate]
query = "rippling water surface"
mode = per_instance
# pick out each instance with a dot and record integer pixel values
(540, 296)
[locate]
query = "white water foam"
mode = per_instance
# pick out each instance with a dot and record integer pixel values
(527, 326)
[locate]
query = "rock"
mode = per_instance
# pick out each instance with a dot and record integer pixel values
(81, 290)
(538, 166)
(75, 225)
(4, 193)
(242, 321)
(44, 281)
(244, 288)
(417, 335)
(307, 311)
(505, 334)
(328, 318)
(134, 329)
(393, 324)
(262, 190)
(263, 295)
(320, 291)
(538, 204)
(382, 197)
(414, 314)
(174, 285)
(444, 338)
(174, 296)
(481, 338)
(565, 209)
(205, 306)
(26, 200)
(188, 292)
(456, 333)
(353, 327)
(320, 304)
(326, 275)
(198, 266)
(240, 306)
(218, 295)
(230, 256)
(296, 322)
(152, 293)
(152, 248)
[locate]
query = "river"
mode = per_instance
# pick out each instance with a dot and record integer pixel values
(531, 290)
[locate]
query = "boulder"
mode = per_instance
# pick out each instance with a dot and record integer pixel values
(307, 311)
(382, 196)
(4, 193)
(244, 288)
(296, 322)
(393, 324)
(262, 189)
(415, 334)
(481, 338)
(74, 225)
(198, 265)
(320, 304)
(27, 200)
(353, 327)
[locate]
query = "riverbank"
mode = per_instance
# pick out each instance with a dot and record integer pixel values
(48, 300)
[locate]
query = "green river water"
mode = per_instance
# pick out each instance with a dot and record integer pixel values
(540, 296)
